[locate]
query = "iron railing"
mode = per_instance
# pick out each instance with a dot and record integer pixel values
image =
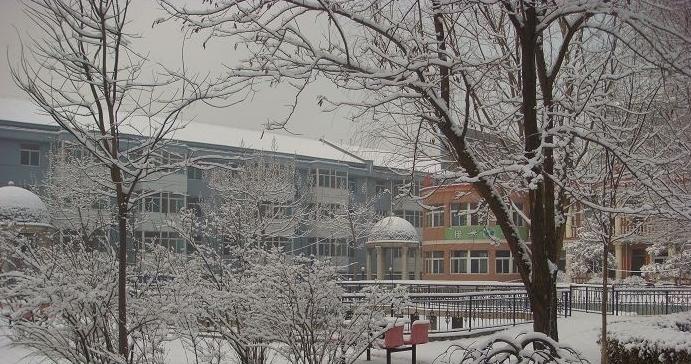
(458, 312)
(631, 301)
(462, 307)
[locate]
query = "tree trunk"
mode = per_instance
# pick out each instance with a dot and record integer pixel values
(603, 308)
(123, 346)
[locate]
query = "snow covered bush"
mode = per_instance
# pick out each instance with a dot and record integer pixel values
(61, 301)
(531, 347)
(671, 241)
(586, 256)
(305, 315)
(648, 340)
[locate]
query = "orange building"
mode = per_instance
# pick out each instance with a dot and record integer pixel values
(460, 238)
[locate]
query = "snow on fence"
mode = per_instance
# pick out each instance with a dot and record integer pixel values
(464, 307)
(452, 313)
(631, 300)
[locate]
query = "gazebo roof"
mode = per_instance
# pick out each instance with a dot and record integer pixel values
(393, 228)
(18, 205)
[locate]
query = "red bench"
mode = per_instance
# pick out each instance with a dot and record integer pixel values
(395, 341)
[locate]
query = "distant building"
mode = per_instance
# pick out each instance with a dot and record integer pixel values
(460, 238)
(27, 137)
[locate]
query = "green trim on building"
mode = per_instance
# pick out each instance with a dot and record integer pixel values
(479, 232)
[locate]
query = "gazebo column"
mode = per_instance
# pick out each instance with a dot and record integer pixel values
(368, 263)
(404, 262)
(619, 257)
(418, 263)
(380, 262)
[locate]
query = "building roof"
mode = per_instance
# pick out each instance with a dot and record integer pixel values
(23, 111)
(21, 206)
(394, 228)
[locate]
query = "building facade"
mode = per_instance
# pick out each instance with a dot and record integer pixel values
(460, 239)
(335, 173)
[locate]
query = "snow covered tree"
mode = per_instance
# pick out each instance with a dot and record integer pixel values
(74, 192)
(671, 241)
(306, 314)
(507, 91)
(61, 299)
(585, 255)
(85, 74)
(259, 203)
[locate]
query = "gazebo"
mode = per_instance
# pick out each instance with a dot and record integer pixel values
(393, 250)
(23, 209)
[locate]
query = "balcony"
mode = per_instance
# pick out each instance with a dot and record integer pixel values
(479, 232)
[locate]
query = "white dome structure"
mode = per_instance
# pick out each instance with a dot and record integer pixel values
(393, 250)
(393, 228)
(21, 206)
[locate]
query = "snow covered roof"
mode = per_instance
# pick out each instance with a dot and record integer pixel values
(22, 206)
(393, 228)
(23, 111)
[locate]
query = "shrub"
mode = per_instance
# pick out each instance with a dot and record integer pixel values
(658, 339)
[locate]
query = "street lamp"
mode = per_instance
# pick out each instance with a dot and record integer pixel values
(391, 273)
(362, 271)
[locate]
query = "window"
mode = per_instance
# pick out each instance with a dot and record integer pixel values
(150, 238)
(329, 178)
(166, 158)
(660, 257)
(152, 203)
(274, 211)
(517, 219)
(412, 216)
(459, 214)
(194, 203)
(194, 173)
(171, 203)
(172, 241)
(29, 154)
(459, 261)
(504, 262)
(478, 261)
(164, 202)
(474, 215)
(328, 247)
(380, 187)
(464, 213)
(352, 185)
(434, 262)
(435, 217)
(277, 242)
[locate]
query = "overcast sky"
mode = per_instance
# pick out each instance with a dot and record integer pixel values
(163, 43)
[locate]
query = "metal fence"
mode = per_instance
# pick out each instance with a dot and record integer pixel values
(466, 307)
(631, 301)
(458, 312)
(433, 287)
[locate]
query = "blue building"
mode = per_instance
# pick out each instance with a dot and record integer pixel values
(337, 173)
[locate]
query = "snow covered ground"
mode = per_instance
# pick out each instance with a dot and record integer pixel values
(579, 331)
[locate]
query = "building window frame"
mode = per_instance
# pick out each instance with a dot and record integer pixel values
(434, 262)
(414, 217)
(30, 154)
(479, 262)
(329, 178)
(435, 216)
(459, 262)
(504, 262)
(464, 214)
(195, 173)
